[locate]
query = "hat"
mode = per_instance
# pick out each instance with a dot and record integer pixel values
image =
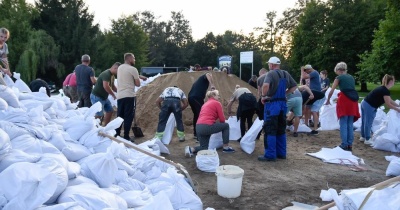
(274, 60)
(308, 66)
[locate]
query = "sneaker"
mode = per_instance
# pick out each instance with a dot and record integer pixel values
(368, 142)
(362, 139)
(228, 150)
(263, 158)
(350, 148)
(314, 132)
(188, 151)
(181, 139)
(295, 134)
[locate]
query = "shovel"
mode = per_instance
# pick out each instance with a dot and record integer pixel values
(178, 166)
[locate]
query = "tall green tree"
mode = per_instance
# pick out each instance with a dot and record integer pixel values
(383, 58)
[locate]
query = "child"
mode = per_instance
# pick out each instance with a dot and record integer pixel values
(4, 67)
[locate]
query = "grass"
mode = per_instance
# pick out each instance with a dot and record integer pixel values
(394, 91)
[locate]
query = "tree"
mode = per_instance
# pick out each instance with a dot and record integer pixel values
(267, 39)
(383, 58)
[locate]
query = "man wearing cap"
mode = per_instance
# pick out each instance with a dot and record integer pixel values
(277, 84)
(69, 87)
(104, 87)
(172, 100)
(315, 105)
(84, 81)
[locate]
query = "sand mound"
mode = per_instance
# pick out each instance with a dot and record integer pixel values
(147, 112)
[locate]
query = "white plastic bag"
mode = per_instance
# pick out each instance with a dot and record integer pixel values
(5, 144)
(328, 118)
(169, 129)
(9, 96)
(20, 84)
(207, 160)
(100, 167)
(234, 128)
(3, 104)
(248, 142)
(216, 141)
(393, 168)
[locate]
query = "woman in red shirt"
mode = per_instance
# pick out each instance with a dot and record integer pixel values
(207, 124)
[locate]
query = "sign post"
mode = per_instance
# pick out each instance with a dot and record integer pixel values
(246, 57)
(225, 61)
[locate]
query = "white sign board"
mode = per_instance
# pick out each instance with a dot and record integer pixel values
(246, 57)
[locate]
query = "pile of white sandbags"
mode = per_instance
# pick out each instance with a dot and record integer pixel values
(51, 157)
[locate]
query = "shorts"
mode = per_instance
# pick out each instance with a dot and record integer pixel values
(316, 106)
(295, 105)
(106, 104)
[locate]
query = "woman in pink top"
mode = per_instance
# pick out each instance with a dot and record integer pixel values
(206, 125)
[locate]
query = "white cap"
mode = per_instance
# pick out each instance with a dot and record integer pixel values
(274, 60)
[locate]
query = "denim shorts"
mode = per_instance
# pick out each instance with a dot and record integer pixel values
(316, 106)
(106, 104)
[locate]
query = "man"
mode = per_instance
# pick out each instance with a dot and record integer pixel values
(276, 85)
(104, 87)
(295, 104)
(246, 108)
(260, 107)
(315, 86)
(253, 81)
(170, 102)
(128, 78)
(69, 87)
(197, 94)
(84, 81)
(36, 84)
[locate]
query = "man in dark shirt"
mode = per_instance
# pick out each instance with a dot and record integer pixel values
(253, 81)
(197, 94)
(84, 81)
(36, 84)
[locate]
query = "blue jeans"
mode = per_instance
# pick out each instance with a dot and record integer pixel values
(105, 104)
(368, 114)
(346, 130)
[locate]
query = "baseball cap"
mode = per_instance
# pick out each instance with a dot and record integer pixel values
(274, 60)
(308, 66)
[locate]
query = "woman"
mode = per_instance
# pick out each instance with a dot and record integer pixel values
(207, 125)
(375, 99)
(347, 104)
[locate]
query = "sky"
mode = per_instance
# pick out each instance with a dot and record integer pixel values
(204, 16)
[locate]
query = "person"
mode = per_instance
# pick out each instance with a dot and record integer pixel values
(70, 88)
(246, 108)
(197, 94)
(260, 107)
(253, 81)
(295, 104)
(84, 81)
(370, 104)
(347, 104)
(325, 82)
(128, 78)
(313, 108)
(207, 125)
(172, 100)
(4, 67)
(103, 88)
(36, 84)
(277, 84)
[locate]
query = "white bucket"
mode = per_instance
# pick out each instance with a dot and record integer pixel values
(229, 181)
(207, 160)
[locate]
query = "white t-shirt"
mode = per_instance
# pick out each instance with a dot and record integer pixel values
(173, 92)
(126, 81)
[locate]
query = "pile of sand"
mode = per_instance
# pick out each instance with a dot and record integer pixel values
(147, 112)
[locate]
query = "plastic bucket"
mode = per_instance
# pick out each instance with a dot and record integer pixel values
(229, 181)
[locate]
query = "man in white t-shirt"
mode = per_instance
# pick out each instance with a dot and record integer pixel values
(128, 78)
(171, 100)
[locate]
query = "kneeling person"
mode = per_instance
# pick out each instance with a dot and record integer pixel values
(105, 86)
(170, 102)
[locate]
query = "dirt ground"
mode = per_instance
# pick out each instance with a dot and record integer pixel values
(266, 185)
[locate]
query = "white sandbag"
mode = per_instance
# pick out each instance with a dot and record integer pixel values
(74, 170)
(91, 197)
(122, 165)
(137, 198)
(114, 189)
(393, 168)
(163, 149)
(328, 118)
(393, 126)
(379, 119)
(20, 84)
(27, 186)
(48, 148)
(15, 156)
(15, 115)
(120, 175)
(59, 158)
(8, 80)
(33, 103)
(139, 175)
(100, 167)
(234, 128)
(81, 180)
(59, 172)
(216, 141)
(62, 206)
(385, 142)
(169, 129)
(153, 173)
(27, 143)
(5, 144)
(248, 142)
(11, 129)
(301, 129)
(163, 166)
(160, 201)
(51, 112)
(76, 127)
(58, 140)
(37, 131)
(9, 96)
(207, 160)
(129, 184)
(3, 104)
(74, 151)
